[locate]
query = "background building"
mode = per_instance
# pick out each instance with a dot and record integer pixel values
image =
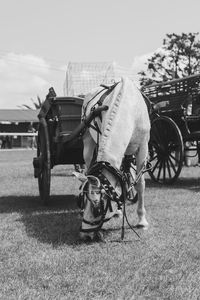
(82, 77)
(15, 126)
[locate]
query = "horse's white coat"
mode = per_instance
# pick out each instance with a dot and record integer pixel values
(125, 129)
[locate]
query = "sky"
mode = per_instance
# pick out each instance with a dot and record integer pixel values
(38, 38)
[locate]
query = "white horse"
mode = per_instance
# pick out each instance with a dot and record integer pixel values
(121, 130)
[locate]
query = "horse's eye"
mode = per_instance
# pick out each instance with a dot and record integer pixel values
(95, 192)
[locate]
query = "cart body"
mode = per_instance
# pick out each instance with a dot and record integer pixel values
(59, 139)
(63, 116)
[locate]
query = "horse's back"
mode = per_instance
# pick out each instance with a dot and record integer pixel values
(124, 125)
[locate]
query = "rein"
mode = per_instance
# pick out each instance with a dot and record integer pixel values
(145, 168)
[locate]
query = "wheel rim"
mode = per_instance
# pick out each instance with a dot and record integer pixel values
(165, 150)
(44, 178)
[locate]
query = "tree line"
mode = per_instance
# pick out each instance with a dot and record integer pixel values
(179, 56)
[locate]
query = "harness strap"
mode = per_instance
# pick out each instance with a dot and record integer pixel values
(95, 222)
(91, 223)
(92, 99)
(95, 127)
(93, 229)
(109, 90)
(99, 103)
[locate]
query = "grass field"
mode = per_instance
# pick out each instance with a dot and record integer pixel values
(41, 256)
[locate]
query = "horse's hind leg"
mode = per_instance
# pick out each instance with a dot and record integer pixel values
(140, 187)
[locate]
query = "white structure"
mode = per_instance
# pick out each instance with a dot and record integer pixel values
(82, 77)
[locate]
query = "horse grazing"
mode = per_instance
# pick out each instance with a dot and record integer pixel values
(119, 132)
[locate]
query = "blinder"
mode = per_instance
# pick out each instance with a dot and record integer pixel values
(110, 192)
(98, 209)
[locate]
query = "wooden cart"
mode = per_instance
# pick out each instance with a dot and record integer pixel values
(59, 139)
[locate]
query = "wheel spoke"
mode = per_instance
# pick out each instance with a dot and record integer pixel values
(174, 158)
(164, 170)
(154, 157)
(155, 166)
(168, 168)
(160, 168)
(172, 165)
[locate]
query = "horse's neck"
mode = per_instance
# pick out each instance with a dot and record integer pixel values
(117, 125)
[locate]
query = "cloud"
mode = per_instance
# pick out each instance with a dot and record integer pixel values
(22, 77)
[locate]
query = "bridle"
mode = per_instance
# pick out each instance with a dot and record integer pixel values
(109, 193)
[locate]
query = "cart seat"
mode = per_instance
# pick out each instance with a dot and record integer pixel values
(193, 136)
(193, 125)
(68, 112)
(193, 118)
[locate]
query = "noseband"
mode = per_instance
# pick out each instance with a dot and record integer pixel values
(109, 194)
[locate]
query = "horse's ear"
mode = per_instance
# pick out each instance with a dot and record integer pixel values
(80, 176)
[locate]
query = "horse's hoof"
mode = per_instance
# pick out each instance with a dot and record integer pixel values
(138, 226)
(86, 237)
(118, 214)
(141, 226)
(98, 237)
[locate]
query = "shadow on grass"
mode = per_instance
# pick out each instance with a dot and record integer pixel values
(55, 224)
(62, 175)
(30, 204)
(190, 183)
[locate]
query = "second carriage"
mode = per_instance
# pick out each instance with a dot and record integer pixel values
(175, 126)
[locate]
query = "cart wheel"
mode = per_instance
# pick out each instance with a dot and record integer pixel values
(43, 152)
(166, 150)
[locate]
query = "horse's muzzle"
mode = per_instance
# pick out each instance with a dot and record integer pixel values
(97, 209)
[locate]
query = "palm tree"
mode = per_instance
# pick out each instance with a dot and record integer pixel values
(37, 104)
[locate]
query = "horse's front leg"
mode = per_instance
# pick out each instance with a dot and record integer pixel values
(88, 148)
(141, 212)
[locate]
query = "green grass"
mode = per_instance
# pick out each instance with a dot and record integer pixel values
(41, 256)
